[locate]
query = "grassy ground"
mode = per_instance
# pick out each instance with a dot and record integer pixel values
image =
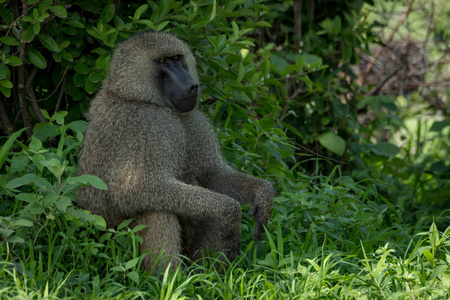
(328, 240)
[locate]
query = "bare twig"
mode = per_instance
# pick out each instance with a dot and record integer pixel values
(377, 54)
(32, 97)
(21, 80)
(61, 93)
(380, 85)
(298, 19)
(6, 122)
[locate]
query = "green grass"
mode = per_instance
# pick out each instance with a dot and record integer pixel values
(324, 242)
(329, 238)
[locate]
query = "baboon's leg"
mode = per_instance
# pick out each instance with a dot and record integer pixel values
(162, 239)
(210, 236)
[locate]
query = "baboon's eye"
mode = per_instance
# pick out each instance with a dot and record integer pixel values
(176, 57)
(162, 60)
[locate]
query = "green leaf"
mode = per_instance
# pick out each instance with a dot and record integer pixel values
(4, 151)
(63, 203)
(36, 28)
(4, 71)
(28, 35)
(35, 145)
(385, 149)
(10, 41)
(263, 24)
(14, 61)
(438, 126)
(28, 179)
(241, 72)
(5, 91)
(59, 11)
(82, 68)
(267, 124)
(98, 222)
(278, 62)
(429, 257)
(23, 223)
(108, 12)
(213, 11)
(134, 276)
(75, 24)
(79, 125)
(292, 129)
(36, 58)
(88, 179)
(124, 224)
(130, 264)
(140, 11)
(311, 60)
(332, 142)
(48, 42)
(6, 83)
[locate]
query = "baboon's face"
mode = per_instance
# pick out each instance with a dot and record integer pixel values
(178, 86)
(155, 67)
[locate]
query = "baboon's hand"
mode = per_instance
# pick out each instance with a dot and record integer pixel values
(261, 209)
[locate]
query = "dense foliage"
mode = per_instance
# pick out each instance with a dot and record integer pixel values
(277, 85)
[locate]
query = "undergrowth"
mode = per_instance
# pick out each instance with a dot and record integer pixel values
(329, 237)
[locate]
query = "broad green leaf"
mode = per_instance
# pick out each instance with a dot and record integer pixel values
(267, 124)
(36, 28)
(241, 72)
(10, 41)
(438, 126)
(22, 222)
(28, 179)
(278, 62)
(213, 11)
(74, 23)
(385, 149)
(4, 151)
(130, 264)
(98, 222)
(28, 197)
(124, 224)
(5, 91)
(63, 203)
(28, 35)
(36, 58)
(6, 83)
(332, 142)
(14, 61)
(429, 257)
(292, 129)
(88, 179)
(35, 145)
(311, 60)
(108, 12)
(82, 68)
(133, 275)
(138, 13)
(78, 125)
(263, 24)
(59, 11)
(5, 73)
(48, 42)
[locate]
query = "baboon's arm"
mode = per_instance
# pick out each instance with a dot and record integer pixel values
(246, 189)
(175, 197)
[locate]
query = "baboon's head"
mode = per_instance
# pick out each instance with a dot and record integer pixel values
(155, 67)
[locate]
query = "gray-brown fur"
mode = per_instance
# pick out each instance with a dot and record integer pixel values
(162, 167)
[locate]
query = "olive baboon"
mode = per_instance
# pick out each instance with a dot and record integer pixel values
(160, 157)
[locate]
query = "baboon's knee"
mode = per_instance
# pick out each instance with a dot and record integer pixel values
(161, 240)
